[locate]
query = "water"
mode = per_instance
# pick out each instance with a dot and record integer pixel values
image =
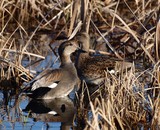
(23, 113)
(19, 112)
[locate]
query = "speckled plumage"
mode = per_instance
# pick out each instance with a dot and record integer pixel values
(91, 68)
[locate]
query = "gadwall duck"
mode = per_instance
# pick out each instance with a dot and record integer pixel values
(55, 83)
(91, 68)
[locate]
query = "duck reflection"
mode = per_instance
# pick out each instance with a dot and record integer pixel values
(52, 110)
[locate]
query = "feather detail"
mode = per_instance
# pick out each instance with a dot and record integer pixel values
(53, 85)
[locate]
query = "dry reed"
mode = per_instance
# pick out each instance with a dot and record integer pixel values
(129, 29)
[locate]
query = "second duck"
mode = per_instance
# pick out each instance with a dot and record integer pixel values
(55, 83)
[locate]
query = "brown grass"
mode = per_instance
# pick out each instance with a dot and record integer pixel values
(126, 102)
(127, 29)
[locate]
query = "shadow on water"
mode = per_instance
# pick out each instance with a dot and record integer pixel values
(10, 112)
(55, 110)
(18, 112)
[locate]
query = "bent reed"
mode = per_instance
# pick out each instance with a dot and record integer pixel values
(127, 29)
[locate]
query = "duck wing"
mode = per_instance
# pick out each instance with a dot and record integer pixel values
(43, 73)
(49, 78)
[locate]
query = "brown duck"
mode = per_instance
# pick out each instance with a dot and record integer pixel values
(91, 68)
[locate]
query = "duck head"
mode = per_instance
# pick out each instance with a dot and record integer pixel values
(84, 41)
(68, 47)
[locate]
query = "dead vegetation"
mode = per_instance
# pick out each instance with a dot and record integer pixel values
(127, 29)
(125, 102)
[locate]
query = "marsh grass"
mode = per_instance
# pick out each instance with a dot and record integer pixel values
(125, 102)
(127, 29)
(21, 25)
